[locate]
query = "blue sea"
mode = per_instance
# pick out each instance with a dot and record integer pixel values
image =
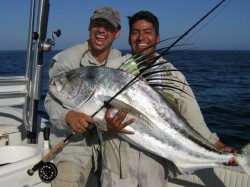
(220, 81)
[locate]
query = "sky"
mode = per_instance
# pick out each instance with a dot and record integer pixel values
(228, 28)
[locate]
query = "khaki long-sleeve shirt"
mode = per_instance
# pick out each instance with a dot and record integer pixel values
(80, 146)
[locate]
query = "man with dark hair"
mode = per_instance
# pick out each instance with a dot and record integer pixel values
(125, 164)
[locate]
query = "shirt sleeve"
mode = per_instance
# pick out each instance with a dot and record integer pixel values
(191, 111)
(54, 108)
(184, 101)
(56, 112)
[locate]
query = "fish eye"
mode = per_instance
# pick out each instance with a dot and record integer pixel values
(67, 75)
(71, 77)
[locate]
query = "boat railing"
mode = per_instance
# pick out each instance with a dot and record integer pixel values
(13, 90)
(26, 90)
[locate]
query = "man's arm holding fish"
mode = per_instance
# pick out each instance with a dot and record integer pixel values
(59, 114)
(190, 110)
(78, 122)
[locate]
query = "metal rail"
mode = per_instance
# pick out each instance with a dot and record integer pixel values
(37, 71)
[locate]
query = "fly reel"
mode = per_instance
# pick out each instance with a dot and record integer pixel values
(47, 172)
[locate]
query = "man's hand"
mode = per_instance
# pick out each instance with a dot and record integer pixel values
(115, 124)
(223, 147)
(78, 122)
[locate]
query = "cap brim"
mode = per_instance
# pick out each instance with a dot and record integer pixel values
(110, 20)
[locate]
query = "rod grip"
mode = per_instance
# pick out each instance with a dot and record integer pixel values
(46, 158)
(53, 151)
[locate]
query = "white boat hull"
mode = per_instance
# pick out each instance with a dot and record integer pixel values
(16, 155)
(214, 177)
(18, 159)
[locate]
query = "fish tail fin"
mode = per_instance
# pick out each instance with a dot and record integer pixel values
(245, 161)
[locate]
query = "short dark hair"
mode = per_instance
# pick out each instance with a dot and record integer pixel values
(144, 15)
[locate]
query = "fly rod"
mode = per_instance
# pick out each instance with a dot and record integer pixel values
(106, 104)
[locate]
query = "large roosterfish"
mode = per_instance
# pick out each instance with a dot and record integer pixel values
(158, 128)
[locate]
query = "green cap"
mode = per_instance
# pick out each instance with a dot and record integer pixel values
(109, 14)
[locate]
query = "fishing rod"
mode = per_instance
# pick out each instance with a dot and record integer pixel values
(48, 171)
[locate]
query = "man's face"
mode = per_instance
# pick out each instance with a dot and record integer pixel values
(102, 34)
(143, 35)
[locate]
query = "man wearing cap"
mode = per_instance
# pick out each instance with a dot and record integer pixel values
(77, 162)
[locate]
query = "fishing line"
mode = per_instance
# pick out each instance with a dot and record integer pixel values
(210, 20)
(191, 28)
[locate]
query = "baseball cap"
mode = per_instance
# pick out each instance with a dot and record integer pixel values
(109, 14)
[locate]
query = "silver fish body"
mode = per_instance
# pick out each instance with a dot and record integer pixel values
(158, 128)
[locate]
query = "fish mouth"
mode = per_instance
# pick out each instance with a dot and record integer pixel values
(52, 82)
(55, 85)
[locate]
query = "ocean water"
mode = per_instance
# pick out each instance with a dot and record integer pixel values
(220, 81)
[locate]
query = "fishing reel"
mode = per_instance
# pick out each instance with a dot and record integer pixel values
(47, 172)
(50, 43)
